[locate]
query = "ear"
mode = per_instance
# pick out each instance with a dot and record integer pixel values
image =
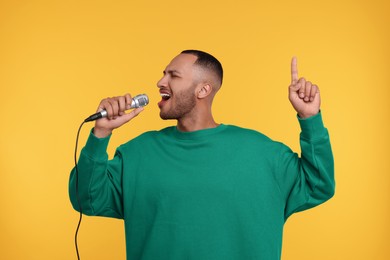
(204, 90)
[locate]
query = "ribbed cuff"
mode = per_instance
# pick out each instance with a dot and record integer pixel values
(96, 147)
(312, 127)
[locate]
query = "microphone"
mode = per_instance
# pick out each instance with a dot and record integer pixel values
(137, 101)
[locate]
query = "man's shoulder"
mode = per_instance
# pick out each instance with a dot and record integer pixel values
(251, 139)
(246, 133)
(155, 133)
(148, 136)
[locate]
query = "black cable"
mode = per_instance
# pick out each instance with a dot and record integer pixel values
(77, 191)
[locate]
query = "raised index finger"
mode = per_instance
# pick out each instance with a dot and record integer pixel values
(294, 70)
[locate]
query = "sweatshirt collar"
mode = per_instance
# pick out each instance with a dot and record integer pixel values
(199, 134)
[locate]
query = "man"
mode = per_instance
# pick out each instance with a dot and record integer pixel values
(203, 190)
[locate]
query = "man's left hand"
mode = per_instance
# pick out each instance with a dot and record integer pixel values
(303, 95)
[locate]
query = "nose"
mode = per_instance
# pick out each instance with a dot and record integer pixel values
(162, 82)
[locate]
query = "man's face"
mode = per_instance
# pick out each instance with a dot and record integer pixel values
(177, 88)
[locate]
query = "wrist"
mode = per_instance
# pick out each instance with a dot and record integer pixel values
(101, 132)
(312, 128)
(307, 115)
(96, 147)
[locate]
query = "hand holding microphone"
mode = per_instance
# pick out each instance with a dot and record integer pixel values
(111, 113)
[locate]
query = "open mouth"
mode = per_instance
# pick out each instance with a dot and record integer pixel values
(165, 96)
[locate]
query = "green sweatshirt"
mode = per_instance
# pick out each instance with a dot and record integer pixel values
(220, 193)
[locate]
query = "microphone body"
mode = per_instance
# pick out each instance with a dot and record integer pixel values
(137, 101)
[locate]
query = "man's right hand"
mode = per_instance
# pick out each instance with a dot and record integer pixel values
(116, 115)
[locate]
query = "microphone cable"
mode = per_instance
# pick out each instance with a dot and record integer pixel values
(77, 191)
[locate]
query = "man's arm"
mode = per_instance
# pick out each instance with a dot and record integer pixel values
(99, 180)
(309, 180)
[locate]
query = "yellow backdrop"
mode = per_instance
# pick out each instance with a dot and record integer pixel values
(59, 58)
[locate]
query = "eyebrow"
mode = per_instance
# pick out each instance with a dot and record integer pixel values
(171, 72)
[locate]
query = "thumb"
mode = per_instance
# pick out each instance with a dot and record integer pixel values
(294, 88)
(127, 117)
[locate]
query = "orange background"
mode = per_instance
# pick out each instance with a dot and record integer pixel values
(58, 59)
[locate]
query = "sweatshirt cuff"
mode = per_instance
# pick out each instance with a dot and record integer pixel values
(312, 127)
(96, 147)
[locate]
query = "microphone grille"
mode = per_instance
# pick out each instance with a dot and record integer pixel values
(140, 101)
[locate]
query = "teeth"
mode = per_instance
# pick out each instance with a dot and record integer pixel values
(164, 95)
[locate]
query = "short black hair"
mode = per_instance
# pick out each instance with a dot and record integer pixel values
(207, 61)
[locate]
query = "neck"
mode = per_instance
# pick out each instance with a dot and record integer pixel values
(191, 127)
(190, 124)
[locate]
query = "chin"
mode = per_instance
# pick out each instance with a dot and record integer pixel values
(166, 117)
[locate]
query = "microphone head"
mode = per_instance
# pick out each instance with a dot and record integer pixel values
(139, 101)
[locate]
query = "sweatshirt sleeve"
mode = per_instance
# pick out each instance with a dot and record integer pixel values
(307, 181)
(99, 180)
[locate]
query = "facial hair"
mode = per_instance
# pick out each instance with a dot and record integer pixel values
(182, 104)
